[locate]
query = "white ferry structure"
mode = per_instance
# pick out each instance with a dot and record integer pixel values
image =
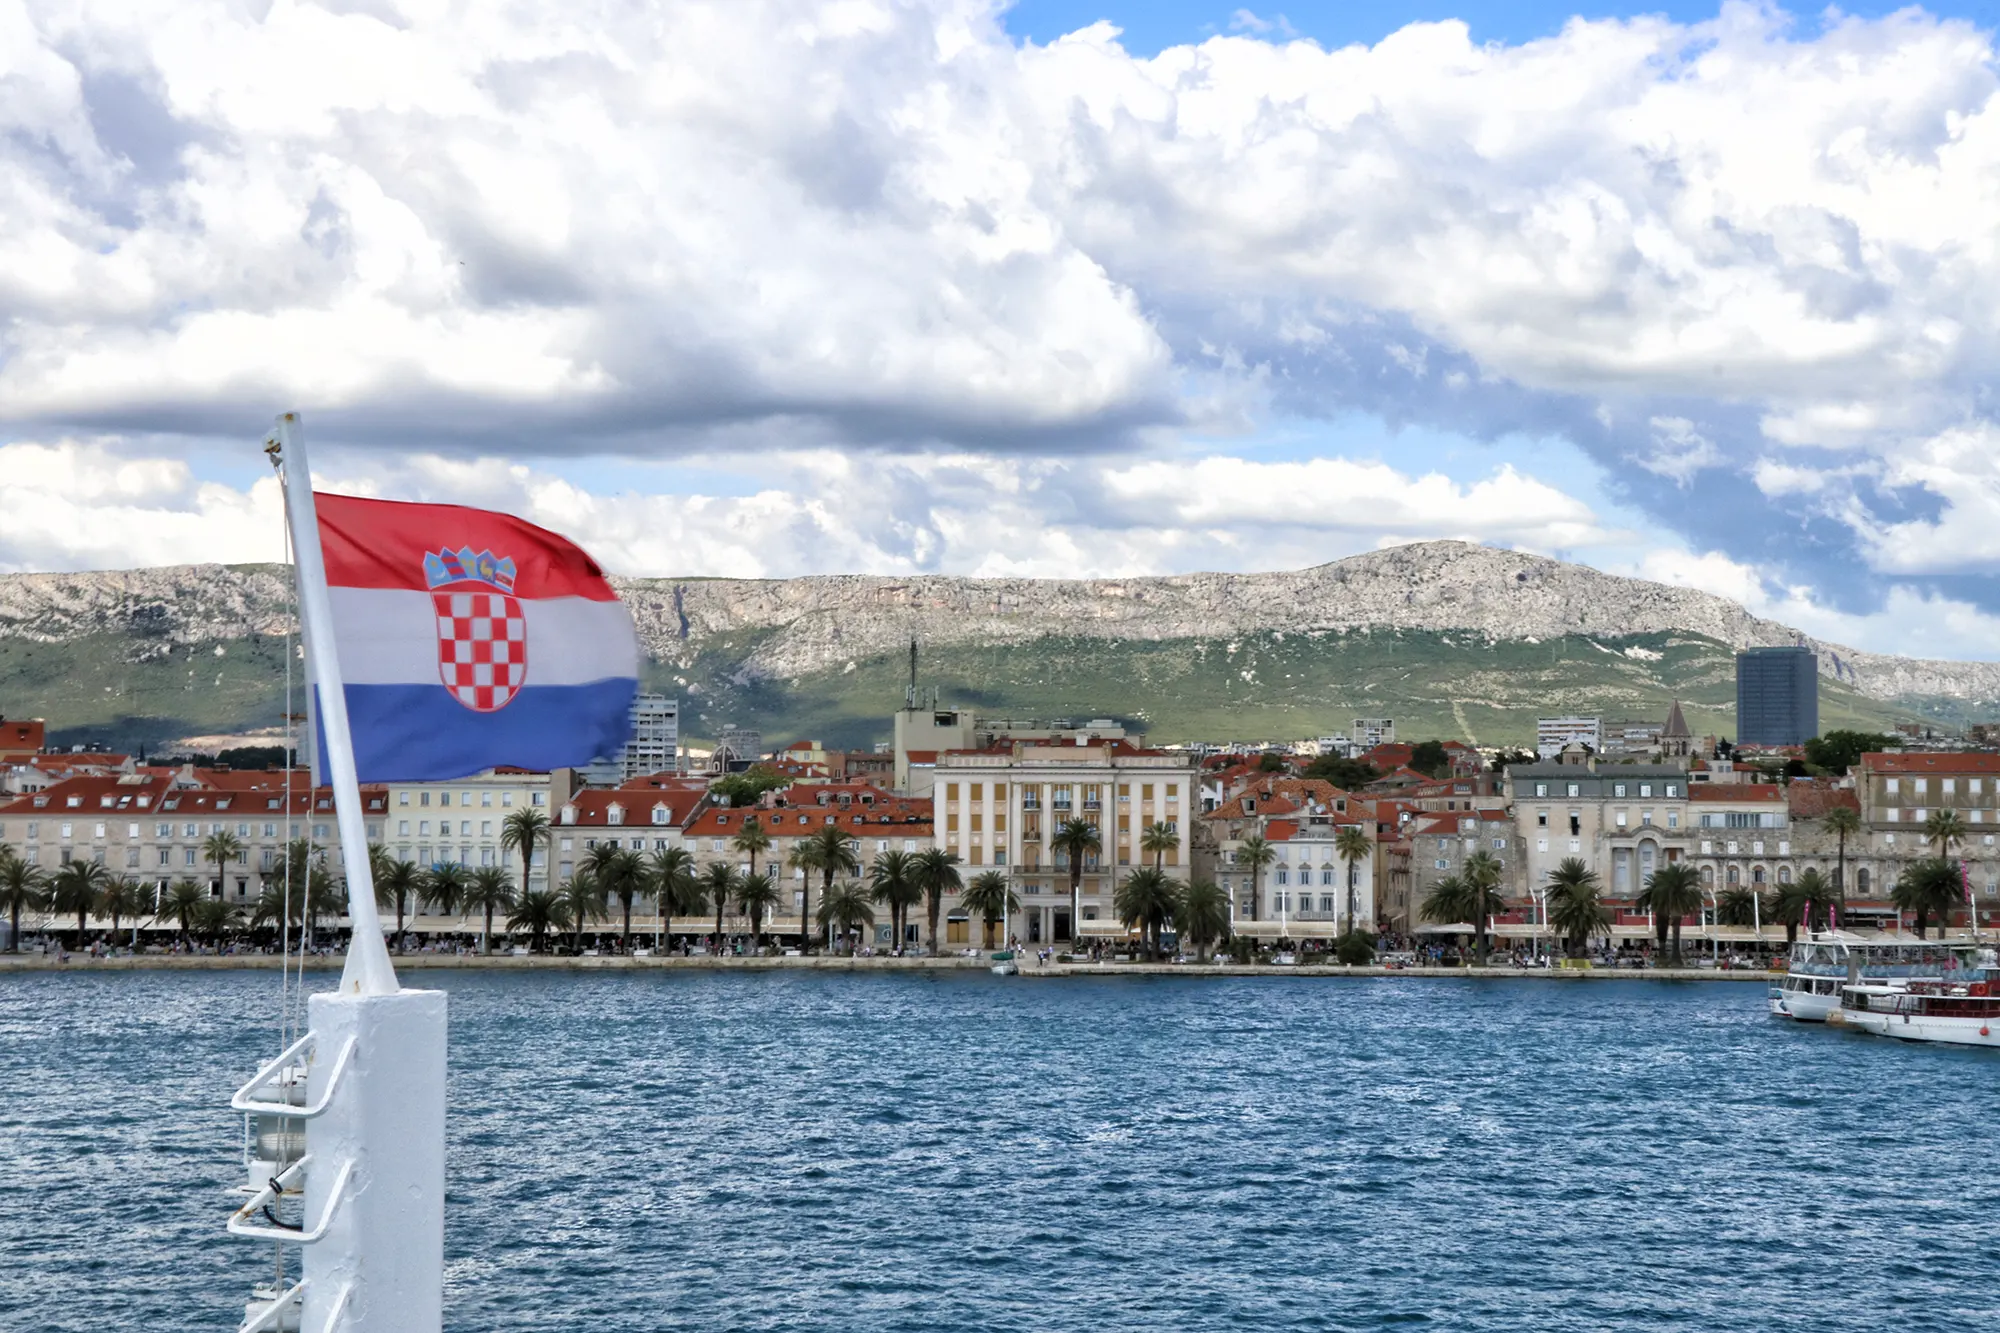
(1826, 961)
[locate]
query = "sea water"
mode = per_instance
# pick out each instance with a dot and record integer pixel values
(791, 1150)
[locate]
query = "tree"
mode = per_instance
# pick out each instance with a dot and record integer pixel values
(718, 886)
(444, 887)
(1671, 892)
(751, 840)
(757, 896)
(1838, 751)
(397, 884)
(1271, 762)
(1075, 839)
(1843, 821)
(522, 832)
(582, 900)
(22, 889)
(1736, 907)
(75, 889)
(489, 890)
(1786, 904)
(1576, 905)
(213, 918)
(1430, 758)
(937, 875)
(118, 899)
(1448, 902)
(844, 907)
(1506, 759)
(1145, 901)
(185, 895)
(1816, 897)
(1942, 828)
(621, 873)
(744, 788)
(670, 876)
(1254, 852)
(538, 912)
(1157, 840)
(893, 882)
(1482, 872)
(1344, 773)
(1202, 915)
(219, 848)
(989, 897)
(1929, 887)
(1351, 845)
(827, 851)
(1356, 948)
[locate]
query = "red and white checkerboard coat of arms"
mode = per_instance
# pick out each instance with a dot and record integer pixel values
(482, 635)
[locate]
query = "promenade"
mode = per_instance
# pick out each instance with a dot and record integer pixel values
(1030, 969)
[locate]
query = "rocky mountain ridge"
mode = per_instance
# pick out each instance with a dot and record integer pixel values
(781, 628)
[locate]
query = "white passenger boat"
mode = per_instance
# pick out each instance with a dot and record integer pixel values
(1964, 1011)
(1827, 960)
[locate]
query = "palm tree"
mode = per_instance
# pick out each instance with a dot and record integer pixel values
(892, 879)
(212, 917)
(1254, 852)
(219, 848)
(119, 898)
(1942, 828)
(1351, 845)
(751, 840)
(718, 885)
(1448, 902)
(670, 876)
(75, 889)
(22, 889)
(397, 885)
(582, 902)
(844, 907)
(990, 897)
(444, 888)
(185, 895)
(1841, 821)
(1927, 887)
(1576, 904)
(1786, 904)
(1736, 907)
(1202, 915)
(756, 895)
(538, 912)
(1816, 896)
(1075, 839)
(1146, 900)
(622, 874)
(490, 890)
(521, 832)
(937, 875)
(1671, 892)
(1157, 840)
(828, 850)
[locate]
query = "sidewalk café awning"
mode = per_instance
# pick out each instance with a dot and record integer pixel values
(1281, 930)
(1108, 930)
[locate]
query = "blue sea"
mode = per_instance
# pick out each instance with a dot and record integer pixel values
(715, 1151)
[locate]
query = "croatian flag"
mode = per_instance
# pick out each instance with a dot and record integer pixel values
(469, 639)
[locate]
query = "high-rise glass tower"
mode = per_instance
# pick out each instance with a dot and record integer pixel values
(1777, 696)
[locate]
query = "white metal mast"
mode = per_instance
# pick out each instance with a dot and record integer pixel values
(367, 1081)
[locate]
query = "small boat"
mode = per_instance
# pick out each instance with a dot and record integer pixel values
(1963, 1010)
(1004, 964)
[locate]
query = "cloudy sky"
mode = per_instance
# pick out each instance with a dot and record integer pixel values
(1071, 287)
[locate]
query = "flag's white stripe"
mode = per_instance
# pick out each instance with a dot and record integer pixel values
(390, 637)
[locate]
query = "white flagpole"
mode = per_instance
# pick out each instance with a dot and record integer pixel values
(368, 970)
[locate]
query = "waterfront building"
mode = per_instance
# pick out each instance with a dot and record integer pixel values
(1622, 821)
(463, 821)
(1777, 696)
(1001, 807)
(1300, 818)
(1440, 843)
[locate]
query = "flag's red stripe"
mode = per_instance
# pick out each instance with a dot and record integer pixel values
(382, 544)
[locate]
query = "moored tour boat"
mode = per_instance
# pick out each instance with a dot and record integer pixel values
(1961, 1011)
(1827, 960)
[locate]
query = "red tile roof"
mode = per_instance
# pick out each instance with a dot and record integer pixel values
(1735, 791)
(1931, 763)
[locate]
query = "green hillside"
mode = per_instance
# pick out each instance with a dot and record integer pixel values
(132, 693)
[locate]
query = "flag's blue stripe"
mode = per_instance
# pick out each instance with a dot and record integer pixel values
(417, 733)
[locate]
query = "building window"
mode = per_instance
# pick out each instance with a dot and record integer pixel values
(1645, 789)
(1541, 789)
(402, 798)
(1618, 790)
